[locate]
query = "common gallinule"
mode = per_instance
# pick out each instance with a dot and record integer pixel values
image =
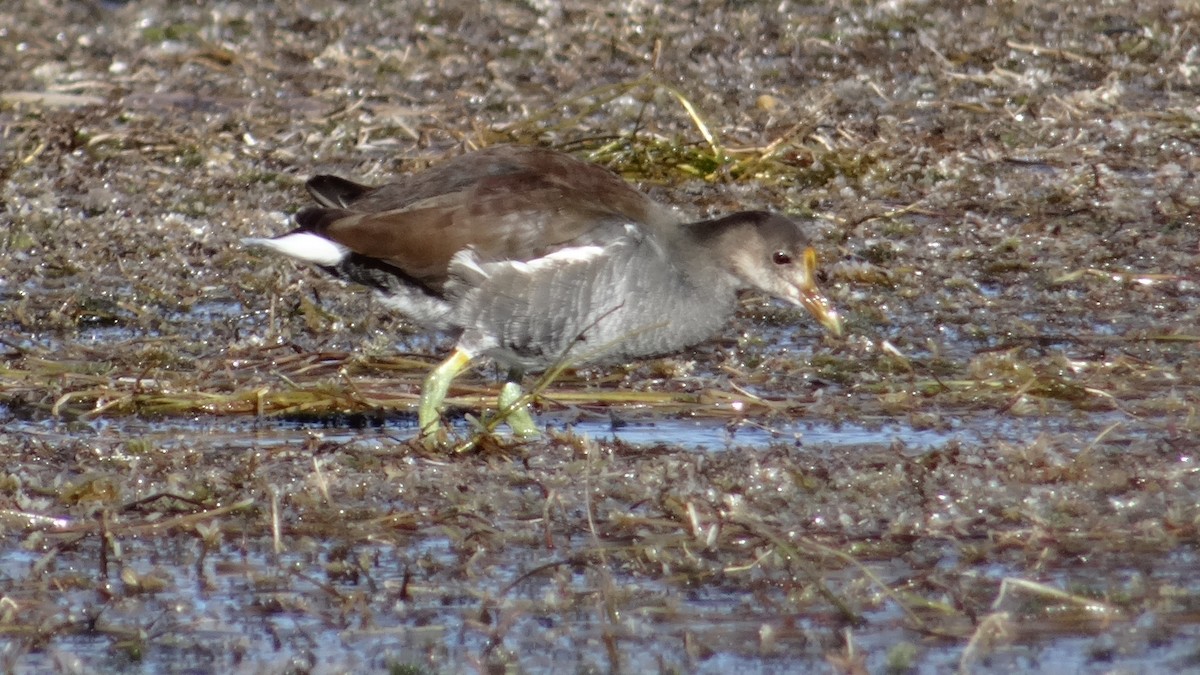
(536, 258)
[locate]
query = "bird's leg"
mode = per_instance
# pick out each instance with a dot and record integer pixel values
(516, 414)
(433, 394)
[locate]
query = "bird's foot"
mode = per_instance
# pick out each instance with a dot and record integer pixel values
(516, 413)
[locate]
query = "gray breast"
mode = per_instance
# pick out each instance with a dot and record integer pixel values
(585, 304)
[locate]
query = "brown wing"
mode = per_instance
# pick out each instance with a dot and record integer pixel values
(508, 203)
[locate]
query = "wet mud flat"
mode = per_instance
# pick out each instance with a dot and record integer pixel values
(207, 464)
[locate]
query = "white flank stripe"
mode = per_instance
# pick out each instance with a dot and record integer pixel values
(575, 254)
(304, 246)
(469, 260)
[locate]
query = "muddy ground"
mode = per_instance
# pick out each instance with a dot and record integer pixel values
(207, 456)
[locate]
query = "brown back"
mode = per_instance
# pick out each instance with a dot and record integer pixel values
(506, 202)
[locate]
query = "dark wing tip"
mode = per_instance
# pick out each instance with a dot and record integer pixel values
(335, 191)
(318, 219)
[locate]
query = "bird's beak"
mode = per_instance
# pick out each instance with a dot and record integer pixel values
(812, 299)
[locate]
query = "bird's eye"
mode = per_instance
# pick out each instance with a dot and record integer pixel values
(781, 258)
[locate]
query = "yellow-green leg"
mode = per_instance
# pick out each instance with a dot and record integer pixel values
(516, 414)
(433, 394)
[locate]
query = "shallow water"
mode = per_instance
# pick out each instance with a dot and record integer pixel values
(635, 427)
(254, 608)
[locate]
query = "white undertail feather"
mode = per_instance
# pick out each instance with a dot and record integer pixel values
(305, 246)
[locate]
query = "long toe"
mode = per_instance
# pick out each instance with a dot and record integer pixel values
(516, 412)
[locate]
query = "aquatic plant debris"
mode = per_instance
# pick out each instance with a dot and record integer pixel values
(206, 456)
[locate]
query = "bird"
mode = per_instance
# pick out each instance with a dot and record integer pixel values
(536, 258)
